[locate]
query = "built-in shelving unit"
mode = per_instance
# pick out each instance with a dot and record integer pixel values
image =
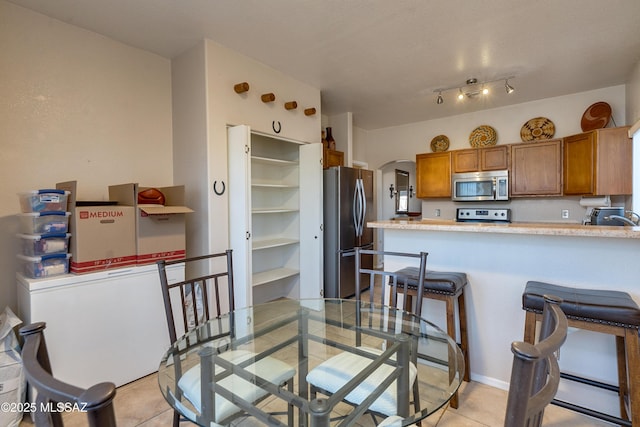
(266, 183)
(275, 203)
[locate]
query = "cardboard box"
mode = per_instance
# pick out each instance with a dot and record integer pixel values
(102, 237)
(160, 229)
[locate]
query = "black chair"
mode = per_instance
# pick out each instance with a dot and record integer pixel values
(382, 288)
(198, 299)
(535, 373)
(53, 394)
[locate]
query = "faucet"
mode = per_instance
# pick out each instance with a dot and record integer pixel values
(624, 219)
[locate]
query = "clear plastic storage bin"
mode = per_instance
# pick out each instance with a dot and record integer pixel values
(44, 244)
(43, 200)
(44, 222)
(37, 267)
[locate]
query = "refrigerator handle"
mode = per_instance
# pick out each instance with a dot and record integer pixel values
(364, 207)
(361, 207)
(356, 218)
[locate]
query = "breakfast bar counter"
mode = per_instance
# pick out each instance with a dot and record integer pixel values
(499, 259)
(532, 228)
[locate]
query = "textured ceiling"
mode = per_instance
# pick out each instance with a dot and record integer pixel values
(382, 59)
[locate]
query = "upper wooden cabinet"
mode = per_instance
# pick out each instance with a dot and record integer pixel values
(536, 169)
(332, 158)
(598, 162)
(465, 160)
(433, 175)
(481, 159)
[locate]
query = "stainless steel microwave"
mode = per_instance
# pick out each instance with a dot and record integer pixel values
(480, 186)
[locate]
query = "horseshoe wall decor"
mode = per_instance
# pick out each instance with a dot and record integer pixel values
(215, 188)
(273, 126)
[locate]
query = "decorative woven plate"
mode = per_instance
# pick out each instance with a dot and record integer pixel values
(537, 129)
(483, 136)
(597, 116)
(440, 143)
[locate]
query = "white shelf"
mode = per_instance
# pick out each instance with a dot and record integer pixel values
(270, 276)
(273, 243)
(272, 161)
(273, 211)
(273, 185)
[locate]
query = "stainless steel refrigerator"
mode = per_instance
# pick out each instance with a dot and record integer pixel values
(348, 206)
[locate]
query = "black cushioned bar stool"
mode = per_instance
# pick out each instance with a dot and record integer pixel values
(447, 287)
(605, 311)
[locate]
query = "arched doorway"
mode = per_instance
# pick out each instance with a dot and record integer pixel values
(385, 206)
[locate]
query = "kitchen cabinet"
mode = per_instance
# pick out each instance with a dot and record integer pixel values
(536, 169)
(103, 326)
(332, 158)
(598, 162)
(275, 231)
(480, 159)
(433, 175)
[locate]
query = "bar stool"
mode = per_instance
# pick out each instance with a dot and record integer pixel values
(605, 311)
(447, 287)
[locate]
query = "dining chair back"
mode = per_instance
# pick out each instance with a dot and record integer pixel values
(52, 396)
(535, 373)
(383, 287)
(374, 288)
(203, 296)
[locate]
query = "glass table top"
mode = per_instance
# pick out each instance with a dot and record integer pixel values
(259, 343)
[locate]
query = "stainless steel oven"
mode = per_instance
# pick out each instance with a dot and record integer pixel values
(480, 186)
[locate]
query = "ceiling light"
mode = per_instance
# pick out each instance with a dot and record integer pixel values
(508, 87)
(473, 88)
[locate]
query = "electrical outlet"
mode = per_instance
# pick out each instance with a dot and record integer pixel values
(437, 212)
(565, 213)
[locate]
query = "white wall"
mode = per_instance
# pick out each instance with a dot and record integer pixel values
(204, 104)
(633, 95)
(75, 106)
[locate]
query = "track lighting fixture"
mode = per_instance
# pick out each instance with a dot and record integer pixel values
(473, 88)
(507, 87)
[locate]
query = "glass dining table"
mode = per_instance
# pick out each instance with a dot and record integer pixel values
(230, 368)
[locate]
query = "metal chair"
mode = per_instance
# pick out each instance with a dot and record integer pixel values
(382, 288)
(446, 286)
(198, 299)
(53, 395)
(535, 373)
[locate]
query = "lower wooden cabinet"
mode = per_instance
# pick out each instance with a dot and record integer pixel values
(433, 175)
(536, 169)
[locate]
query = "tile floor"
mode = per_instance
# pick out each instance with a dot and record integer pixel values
(141, 404)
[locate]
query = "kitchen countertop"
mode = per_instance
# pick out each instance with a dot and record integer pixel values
(531, 228)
